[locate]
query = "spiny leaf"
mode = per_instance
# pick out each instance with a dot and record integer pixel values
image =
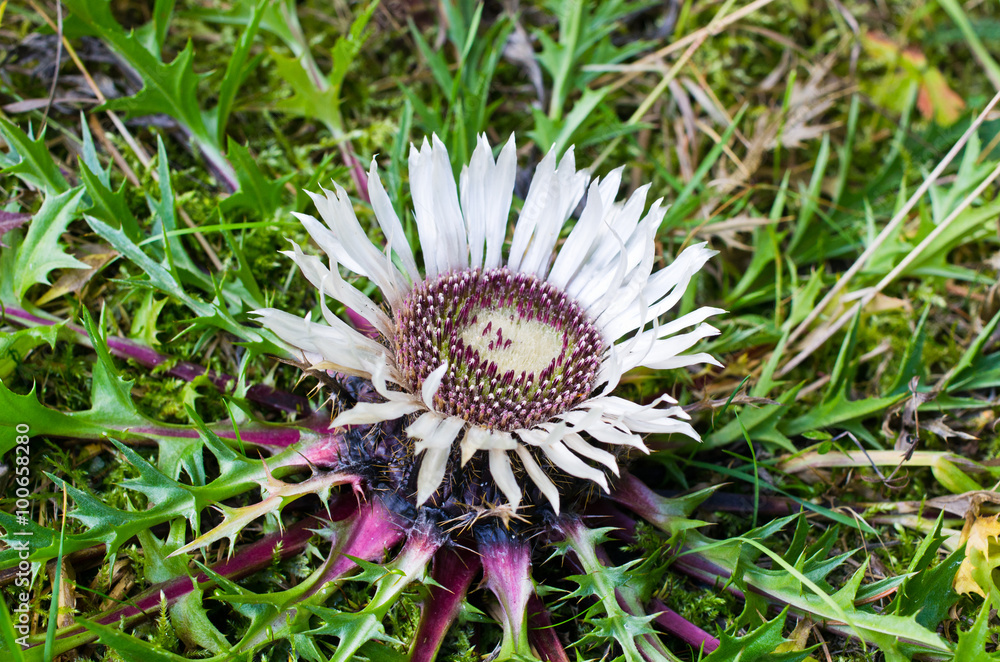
(167, 88)
(279, 495)
(971, 642)
(16, 345)
(258, 194)
(350, 627)
(110, 394)
(757, 646)
(40, 252)
(308, 100)
(106, 204)
(27, 410)
(31, 161)
(927, 590)
(623, 627)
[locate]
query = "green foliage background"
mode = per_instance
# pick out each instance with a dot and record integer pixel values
(147, 180)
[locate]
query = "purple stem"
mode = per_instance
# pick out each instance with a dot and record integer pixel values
(374, 530)
(10, 220)
(507, 573)
(454, 570)
(246, 561)
(150, 358)
(632, 493)
(325, 450)
(541, 634)
(684, 629)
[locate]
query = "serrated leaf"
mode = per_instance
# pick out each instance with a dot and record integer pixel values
(320, 98)
(847, 594)
(16, 345)
(211, 314)
(972, 642)
(191, 622)
(307, 99)
(129, 648)
(111, 401)
(258, 193)
(108, 205)
(349, 626)
(33, 163)
(167, 88)
(25, 409)
(278, 495)
(757, 646)
(40, 252)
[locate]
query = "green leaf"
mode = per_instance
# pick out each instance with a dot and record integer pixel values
(928, 592)
(912, 364)
(307, 100)
(108, 205)
(971, 642)
(166, 88)
(27, 410)
(258, 193)
(40, 252)
(129, 648)
(110, 396)
(8, 637)
(237, 69)
(16, 345)
(347, 47)
(33, 164)
(757, 646)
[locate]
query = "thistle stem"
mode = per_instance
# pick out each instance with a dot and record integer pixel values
(683, 629)
(411, 562)
(150, 358)
(507, 573)
(541, 633)
(453, 571)
(245, 561)
(621, 604)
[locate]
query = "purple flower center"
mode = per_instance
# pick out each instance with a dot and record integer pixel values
(519, 351)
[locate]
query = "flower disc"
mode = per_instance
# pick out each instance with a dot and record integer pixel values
(518, 349)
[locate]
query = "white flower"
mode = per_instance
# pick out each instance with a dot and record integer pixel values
(503, 354)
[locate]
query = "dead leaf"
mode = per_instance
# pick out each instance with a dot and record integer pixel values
(981, 536)
(95, 256)
(942, 430)
(954, 504)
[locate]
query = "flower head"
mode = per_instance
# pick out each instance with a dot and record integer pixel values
(503, 357)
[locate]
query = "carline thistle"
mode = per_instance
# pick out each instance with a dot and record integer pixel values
(481, 421)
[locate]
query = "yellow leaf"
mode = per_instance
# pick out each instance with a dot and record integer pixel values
(981, 536)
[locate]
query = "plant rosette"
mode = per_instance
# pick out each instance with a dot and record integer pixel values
(490, 418)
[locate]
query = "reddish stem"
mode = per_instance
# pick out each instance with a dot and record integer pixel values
(684, 629)
(245, 561)
(454, 569)
(541, 634)
(150, 358)
(374, 530)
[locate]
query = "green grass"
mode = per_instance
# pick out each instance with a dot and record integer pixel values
(789, 138)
